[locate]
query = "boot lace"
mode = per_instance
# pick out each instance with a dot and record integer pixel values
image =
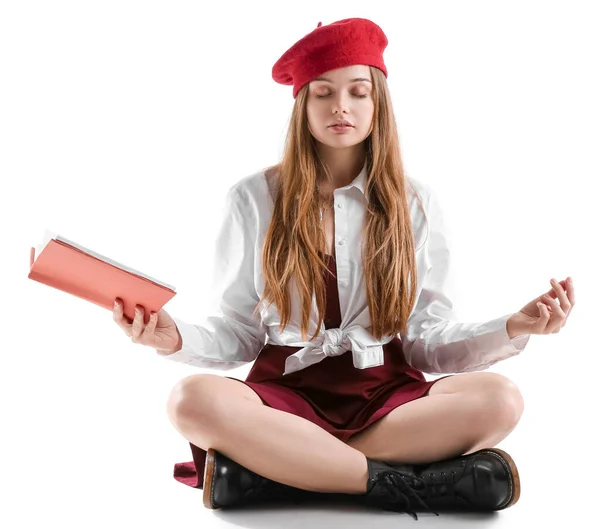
(433, 488)
(400, 492)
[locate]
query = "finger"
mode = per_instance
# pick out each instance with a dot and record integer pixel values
(117, 311)
(557, 317)
(119, 318)
(565, 286)
(565, 305)
(545, 316)
(543, 319)
(148, 334)
(554, 306)
(138, 323)
(570, 290)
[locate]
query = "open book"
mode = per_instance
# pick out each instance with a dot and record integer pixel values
(72, 268)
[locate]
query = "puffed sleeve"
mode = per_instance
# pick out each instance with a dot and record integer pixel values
(435, 342)
(230, 336)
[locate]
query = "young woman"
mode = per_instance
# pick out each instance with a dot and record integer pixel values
(331, 273)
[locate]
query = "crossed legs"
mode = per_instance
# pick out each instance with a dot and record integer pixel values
(461, 414)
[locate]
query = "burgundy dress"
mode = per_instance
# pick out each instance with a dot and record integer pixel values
(332, 393)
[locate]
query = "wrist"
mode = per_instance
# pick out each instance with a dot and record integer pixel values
(513, 327)
(172, 350)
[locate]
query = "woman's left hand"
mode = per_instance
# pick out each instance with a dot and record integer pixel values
(546, 314)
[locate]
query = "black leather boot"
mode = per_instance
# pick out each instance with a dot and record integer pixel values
(486, 480)
(229, 484)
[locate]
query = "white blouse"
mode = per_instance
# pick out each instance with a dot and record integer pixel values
(434, 343)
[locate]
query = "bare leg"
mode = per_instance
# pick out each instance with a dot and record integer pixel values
(461, 414)
(212, 411)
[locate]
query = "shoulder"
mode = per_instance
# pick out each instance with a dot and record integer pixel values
(248, 200)
(254, 187)
(418, 187)
(250, 191)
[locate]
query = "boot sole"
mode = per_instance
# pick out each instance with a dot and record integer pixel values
(209, 472)
(514, 473)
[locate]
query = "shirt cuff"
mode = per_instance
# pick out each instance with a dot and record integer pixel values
(500, 346)
(518, 342)
(190, 341)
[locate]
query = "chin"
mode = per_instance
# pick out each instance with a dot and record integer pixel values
(335, 140)
(340, 144)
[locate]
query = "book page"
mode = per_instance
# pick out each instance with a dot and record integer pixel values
(48, 236)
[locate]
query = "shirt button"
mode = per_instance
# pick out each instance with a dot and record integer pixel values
(341, 242)
(339, 206)
(345, 283)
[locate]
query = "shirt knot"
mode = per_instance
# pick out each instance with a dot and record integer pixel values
(333, 342)
(366, 350)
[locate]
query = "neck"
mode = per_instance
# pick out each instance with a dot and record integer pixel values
(343, 164)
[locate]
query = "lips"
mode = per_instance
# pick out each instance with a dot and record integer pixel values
(341, 124)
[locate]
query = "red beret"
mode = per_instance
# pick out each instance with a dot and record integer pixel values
(342, 43)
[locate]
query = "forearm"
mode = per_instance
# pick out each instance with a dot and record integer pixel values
(457, 347)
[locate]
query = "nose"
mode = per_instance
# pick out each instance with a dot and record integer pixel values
(338, 105)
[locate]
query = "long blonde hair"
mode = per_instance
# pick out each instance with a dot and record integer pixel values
(296, 236)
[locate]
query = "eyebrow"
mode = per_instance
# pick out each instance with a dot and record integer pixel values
(351, 80)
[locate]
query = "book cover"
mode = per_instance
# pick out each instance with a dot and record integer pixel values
(69, 267)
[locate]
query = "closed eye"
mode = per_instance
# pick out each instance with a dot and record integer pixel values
(359, 96)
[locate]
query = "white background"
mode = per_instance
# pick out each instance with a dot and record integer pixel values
(122, 126)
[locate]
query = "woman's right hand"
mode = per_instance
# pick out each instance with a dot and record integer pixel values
(161, 332)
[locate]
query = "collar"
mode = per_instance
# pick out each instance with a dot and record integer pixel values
(360, 181)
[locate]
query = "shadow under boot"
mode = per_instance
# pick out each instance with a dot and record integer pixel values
(486, 480)
(228, 484)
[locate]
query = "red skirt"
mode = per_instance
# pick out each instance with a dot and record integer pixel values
(332, 393)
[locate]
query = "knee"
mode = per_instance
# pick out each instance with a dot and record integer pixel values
(189, 399)
(501, 403)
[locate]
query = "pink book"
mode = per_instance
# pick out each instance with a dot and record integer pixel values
(68, 266)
